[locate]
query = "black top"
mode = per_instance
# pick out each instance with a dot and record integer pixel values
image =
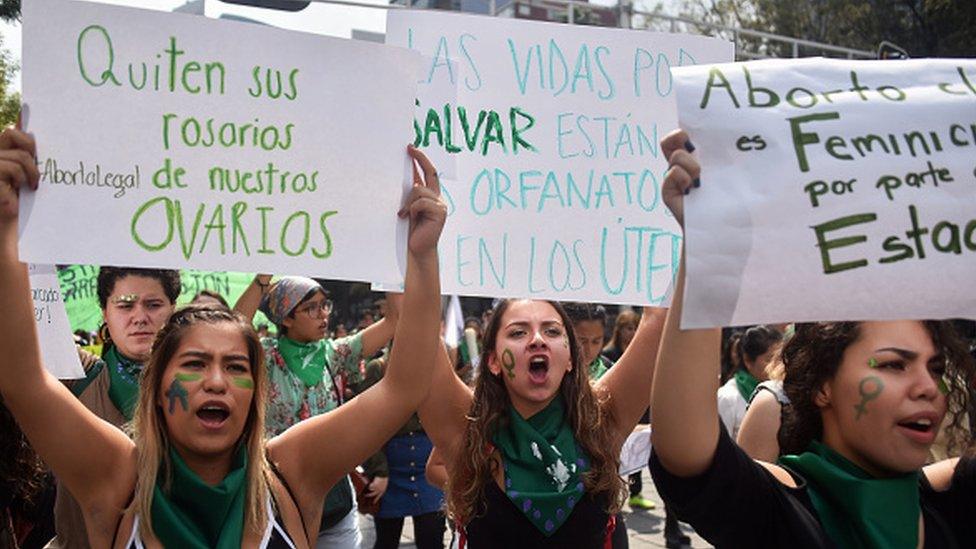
(501, 524)
(738, 503)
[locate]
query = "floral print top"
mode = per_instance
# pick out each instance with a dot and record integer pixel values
(290, 400)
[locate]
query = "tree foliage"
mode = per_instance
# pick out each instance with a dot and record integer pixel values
(925, 28)
(9, 100)
(9, 10)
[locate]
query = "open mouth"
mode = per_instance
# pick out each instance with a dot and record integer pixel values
(919, 425)
(213, 415)
(538, 369)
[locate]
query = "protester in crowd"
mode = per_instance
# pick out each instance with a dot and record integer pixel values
(309, 373)
(759, 433)
(398, 482)
(198, 472)
(549, 475)
(589, 322)
(731, 355)
(210, 296)
(26, 490)
(624, 328)
(262, 330)
(866, 401)
(756, 347)
(135, 304)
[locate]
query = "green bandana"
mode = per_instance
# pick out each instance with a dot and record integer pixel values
(856, 509)
(542, 466)
(597, 368)
(123, 374)
(746, 383)
(198, 516)
(305, 360)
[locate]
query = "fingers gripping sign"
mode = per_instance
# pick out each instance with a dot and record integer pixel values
(18, 169)
(682, 174)
(424, 205)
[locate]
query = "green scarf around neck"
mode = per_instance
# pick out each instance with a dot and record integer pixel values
(745, 382)
(195, 515)
(305, 360)
(855, 508)
(123, 374)
(543, 465)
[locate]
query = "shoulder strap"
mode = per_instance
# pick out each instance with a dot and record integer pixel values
(281, 479)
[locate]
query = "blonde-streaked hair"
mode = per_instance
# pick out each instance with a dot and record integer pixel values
(587, 413)
(148, 426)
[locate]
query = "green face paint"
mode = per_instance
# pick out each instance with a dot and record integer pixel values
(508, 362)
(943, 388)
(177, 391)
(243, 382)
(870, 388)
(872, 362)
(188, 377)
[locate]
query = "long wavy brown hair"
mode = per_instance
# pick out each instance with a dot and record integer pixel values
(587, 412)
(814, 353)
(149, 429)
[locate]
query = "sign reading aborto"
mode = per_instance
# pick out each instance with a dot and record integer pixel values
(554, 129)
(830, 190)
(171, 140)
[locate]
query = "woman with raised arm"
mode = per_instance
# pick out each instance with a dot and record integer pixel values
(532, 454)
(198, 472)
(867, 400)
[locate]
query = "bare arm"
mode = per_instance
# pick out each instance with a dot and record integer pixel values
(249, 301)
(95, 460)
(314, 454)
(683, 401)
(444, 411)
(379, 333)
(760, 426)
(436, 470)
(629, 381)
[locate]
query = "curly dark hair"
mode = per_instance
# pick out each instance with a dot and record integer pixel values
(587, 412)
(813, 355)
(107, 277)
(22, 474)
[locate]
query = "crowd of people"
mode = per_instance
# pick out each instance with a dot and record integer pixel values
(194, 428)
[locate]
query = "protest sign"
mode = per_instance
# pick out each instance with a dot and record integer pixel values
(79, 286)
(171, 140)
(831, 190)
(58, 351)
(555, 132)
(636, 451)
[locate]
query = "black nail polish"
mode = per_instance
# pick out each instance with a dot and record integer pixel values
(688, 190)
(696, 183)
(689, 147)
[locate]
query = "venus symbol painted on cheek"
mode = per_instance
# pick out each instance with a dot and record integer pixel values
(177, 391)
(870, 388)
(508, 362)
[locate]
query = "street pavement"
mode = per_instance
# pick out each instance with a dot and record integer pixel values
(645, 529)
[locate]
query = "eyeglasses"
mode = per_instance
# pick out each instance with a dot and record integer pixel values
(315, 310)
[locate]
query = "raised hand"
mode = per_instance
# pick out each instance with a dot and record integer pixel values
(682, 174)
(424, 206)
(18, 169)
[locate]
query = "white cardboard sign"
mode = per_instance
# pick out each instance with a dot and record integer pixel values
(58, 350)
(831, 190)
(172, 140)
(555, 133)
